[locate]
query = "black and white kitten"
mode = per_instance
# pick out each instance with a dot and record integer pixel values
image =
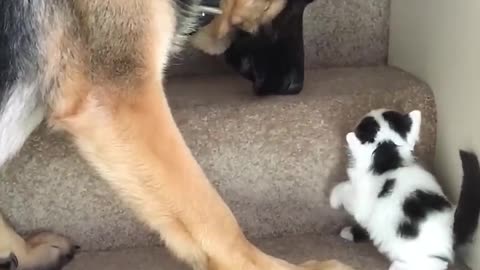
(396, 202)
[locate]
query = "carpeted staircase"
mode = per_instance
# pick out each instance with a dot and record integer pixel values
(273, 159)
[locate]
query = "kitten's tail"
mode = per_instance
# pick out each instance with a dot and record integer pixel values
(468, 208)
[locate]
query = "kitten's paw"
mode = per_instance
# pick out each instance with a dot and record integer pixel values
(336, 197)
(48, 251)
(325, 265)
(347, 234)
(9, 263)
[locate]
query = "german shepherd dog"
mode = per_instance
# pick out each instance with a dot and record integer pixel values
(94, 70)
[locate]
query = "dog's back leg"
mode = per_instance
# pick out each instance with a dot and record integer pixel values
(21, 112)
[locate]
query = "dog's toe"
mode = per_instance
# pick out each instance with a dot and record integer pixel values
(50, 251)
(9, 263)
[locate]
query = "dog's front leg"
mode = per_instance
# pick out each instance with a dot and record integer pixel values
(132, 140)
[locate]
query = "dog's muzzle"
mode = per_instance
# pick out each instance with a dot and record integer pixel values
(273, 58)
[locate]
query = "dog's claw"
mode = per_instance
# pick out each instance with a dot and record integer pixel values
(9, 263)
(60, 251)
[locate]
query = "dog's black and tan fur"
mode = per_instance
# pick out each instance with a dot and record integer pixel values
(93, 69)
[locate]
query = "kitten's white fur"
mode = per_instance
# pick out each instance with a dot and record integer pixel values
(381, 216)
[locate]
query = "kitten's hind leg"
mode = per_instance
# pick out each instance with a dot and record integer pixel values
(355, 233)
(397, 265)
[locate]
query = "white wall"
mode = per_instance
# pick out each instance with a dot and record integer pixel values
(439, 41)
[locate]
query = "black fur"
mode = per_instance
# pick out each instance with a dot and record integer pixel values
(408, 229)
(468, 208)
(420, 203)
(18, 52)
(400, 123)
(367, 130)
(416, 207)
(185, 10)
(10, 263)
(273, 59)
(359, 234)
(386, 158)
(387, 188)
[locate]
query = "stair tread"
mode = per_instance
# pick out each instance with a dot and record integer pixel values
(295, 249)
(272, 159)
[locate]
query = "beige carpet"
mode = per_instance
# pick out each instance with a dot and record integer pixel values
(295, 249)
(272, 159)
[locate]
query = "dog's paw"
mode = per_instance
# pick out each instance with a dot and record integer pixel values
(9, 263)
(325, 265)
(48, 251)
(347, 234)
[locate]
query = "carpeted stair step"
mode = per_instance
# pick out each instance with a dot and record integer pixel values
(273, 159)
(295, 249)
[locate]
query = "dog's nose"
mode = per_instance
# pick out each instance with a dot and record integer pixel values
(292, 84)
(279, 84)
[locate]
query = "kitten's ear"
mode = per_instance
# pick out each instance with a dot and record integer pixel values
(352, 139)
(414, 135)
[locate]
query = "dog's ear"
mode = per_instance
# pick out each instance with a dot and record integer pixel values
(352, 139)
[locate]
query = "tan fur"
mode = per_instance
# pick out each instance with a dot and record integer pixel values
(41, 251)
(248, 15)
(121, 122)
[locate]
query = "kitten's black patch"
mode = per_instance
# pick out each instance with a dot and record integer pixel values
(359, 234)
(420, 203)
(386, 158)
(408, 229)
(416, 207)
(387, 188)
(398, 122)
(367, 130)
(468, 208)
